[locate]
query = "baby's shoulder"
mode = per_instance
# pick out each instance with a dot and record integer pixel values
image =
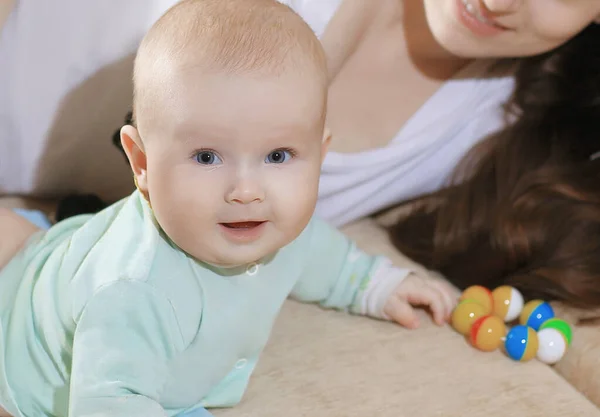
(169, 295)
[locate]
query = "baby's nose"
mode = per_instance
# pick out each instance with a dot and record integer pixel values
(245, 191)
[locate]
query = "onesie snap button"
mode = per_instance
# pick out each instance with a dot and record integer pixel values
(252, 269)
(241, 363)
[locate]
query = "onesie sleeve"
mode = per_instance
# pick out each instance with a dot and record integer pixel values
(125, 338)
(337, 274)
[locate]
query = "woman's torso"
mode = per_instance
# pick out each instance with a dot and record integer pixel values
(379, 88)
(400, 121)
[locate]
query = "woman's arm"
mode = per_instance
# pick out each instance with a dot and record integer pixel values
(346, 30)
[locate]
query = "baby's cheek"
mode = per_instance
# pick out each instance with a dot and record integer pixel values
(295, 198)
(183, 208)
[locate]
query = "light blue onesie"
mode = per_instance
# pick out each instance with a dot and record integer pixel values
(104, 316)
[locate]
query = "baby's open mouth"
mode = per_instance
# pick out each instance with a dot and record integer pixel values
(243, 232)
(242, 225)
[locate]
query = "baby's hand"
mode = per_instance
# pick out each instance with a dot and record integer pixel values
(415, 290)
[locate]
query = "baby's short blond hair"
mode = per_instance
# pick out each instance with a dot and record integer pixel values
(232, 36)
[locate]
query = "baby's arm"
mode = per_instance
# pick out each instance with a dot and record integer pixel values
(339, 275)
(125, 338)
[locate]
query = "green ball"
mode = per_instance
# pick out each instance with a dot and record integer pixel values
(560, 325)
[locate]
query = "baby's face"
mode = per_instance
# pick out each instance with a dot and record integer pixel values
(233, 163)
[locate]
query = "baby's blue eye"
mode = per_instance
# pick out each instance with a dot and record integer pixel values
(278, 157)
(207, 158)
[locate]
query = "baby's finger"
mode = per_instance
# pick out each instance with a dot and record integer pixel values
(433, 298)
(401, 312)
(449, 296)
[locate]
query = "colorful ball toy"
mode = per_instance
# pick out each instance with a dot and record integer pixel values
(481, 295)
(481, 316)
(465, 314)
(488, 333)
(562, 326)
(552, 347)
(535, 313)
(521, 343)
(508, 303)
(555, 336)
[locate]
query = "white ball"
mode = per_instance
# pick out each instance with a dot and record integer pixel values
(515, 306)
(552, 346)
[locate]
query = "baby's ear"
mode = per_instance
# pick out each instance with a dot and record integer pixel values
(134, 149)
(325, 143)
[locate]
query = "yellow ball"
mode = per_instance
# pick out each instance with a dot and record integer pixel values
(487, 333)
(465, 313)
(508, 302)
(532, 346)
(480, 294)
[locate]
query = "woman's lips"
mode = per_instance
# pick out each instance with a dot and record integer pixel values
(473, 16)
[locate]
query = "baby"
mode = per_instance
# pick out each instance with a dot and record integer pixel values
(162, 303)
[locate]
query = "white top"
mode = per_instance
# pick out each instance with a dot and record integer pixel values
(421, 157)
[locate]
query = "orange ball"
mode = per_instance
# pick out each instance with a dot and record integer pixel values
(465, 313)
(480, 294)
(488, 333)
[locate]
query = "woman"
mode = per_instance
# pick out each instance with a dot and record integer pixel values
(432, 76)
(528, 211)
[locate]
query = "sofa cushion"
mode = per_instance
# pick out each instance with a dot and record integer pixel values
(327, 363)
(581, 364)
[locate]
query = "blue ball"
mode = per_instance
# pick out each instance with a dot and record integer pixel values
(521, 343)
(539, 315)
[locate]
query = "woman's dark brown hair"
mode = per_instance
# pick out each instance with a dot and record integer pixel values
(524, 205)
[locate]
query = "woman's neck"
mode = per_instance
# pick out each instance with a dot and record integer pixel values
(427, 54)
